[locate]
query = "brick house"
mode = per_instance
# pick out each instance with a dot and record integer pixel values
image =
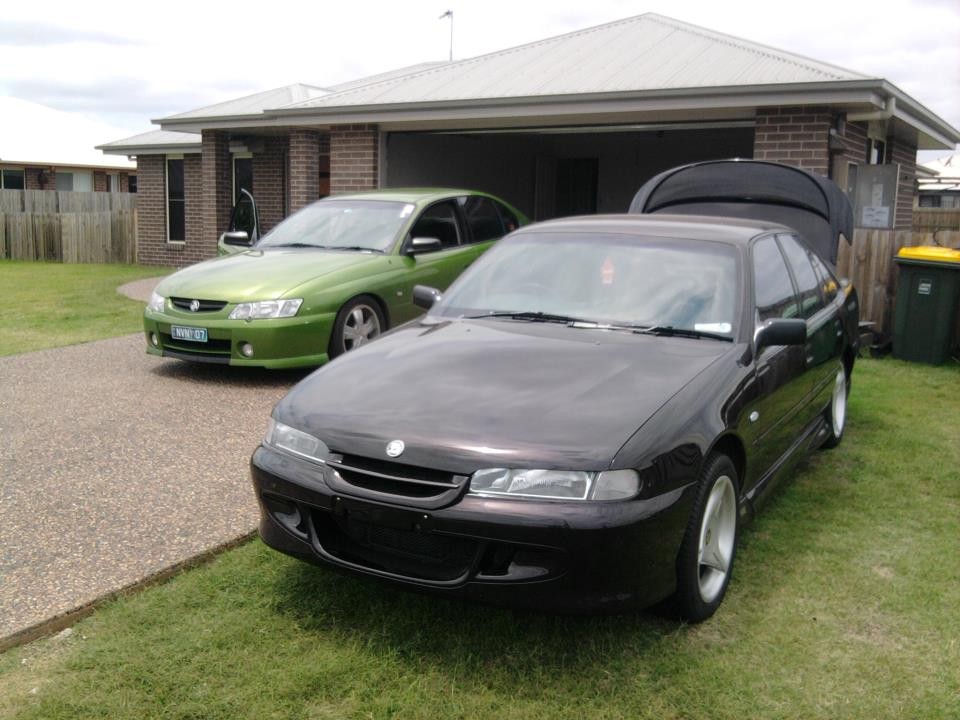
(570, 124)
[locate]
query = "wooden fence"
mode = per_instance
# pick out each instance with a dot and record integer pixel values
(69, 227)
(869, 264)
(935, 220)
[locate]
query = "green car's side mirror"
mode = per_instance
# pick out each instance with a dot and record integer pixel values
(236, 237)
(419, 245)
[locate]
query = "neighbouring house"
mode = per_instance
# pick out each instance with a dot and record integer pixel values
(938, 183)
(569, 124)
(46, 149)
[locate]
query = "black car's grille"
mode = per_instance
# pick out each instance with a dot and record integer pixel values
(203, 305)
(396, 478)
(421, 555)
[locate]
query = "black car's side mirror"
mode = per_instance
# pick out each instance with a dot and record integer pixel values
(780, 331)
(236, 237)
(425, 297)
(420, 245)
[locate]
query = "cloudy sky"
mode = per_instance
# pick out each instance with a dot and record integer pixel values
(126, 63)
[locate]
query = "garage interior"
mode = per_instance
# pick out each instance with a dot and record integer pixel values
(555, 172)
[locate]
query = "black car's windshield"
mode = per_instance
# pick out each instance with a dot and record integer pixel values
(342, 225)
(621, 281)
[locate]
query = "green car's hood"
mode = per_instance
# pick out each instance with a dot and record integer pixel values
(260, 274)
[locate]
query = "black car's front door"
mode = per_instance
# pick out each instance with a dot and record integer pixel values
(775, 419)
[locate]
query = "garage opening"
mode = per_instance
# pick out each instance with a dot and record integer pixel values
(555, 172)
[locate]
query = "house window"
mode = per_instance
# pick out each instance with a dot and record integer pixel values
(131, 183)
(176, 215)
(930, 201)
(876, 152)
(75, 181)
(64, 182)
(242, 174)
(11, 180)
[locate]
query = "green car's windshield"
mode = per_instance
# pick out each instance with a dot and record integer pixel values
(627, 282)
(341, 224)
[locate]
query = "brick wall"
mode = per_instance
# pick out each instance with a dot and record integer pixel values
(217, 189)
(855, 138)
(797, 136)
(905, 154)
(32, 178)
(124, 182)
(304, 168)
(354, 158)
(270, 180)
(99, 181)
(152, 245)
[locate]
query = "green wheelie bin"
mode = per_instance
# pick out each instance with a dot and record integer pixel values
(928, 295)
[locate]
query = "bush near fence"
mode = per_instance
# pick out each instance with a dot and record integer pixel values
(69, 227)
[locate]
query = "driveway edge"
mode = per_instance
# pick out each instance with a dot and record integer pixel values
(45, 628)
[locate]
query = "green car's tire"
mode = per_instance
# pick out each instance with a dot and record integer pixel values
(359, 321)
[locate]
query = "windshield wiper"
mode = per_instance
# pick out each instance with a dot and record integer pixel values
(528, 315)
(356, 248)
(295, 245)
(671, 331)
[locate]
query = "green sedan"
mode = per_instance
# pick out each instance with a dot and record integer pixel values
(329, 278)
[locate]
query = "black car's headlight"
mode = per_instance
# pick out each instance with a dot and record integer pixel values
(556, 484)
(295, 441)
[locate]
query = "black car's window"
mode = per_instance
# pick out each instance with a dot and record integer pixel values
(828, 283)
(482, 218)
(439, 221)
(771, 281)
(808, 285)
(510, 222)
(614, 279)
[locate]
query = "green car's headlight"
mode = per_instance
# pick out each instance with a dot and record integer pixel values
(556, 484)
(156, 303)
(266, 309)
(295, 441)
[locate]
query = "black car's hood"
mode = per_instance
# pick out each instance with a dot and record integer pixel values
(492, 393)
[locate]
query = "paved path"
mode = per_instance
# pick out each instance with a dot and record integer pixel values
(139, 289)
(115, 465)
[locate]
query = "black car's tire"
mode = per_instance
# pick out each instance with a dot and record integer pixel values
(359, 321)
(705, 561)
(836, 412)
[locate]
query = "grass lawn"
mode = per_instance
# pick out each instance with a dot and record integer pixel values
(844, 604)
(52, 304)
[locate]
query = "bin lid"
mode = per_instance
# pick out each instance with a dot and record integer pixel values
(929, 254)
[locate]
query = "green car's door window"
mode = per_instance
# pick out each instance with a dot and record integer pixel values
(483, 220)
(439, 221)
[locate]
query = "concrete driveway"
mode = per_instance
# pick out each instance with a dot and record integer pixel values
(115, 465)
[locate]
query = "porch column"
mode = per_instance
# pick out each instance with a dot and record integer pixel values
(354, 158)
(304, 168)
(217, 186)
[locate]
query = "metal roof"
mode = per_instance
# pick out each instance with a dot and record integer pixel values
(153, 142)
(645, 52)
(255, 104)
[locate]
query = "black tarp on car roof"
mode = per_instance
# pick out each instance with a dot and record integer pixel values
(754, 189)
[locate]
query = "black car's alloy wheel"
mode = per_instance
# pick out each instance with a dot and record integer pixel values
(836, 412)
(705, 561)
(357, 323)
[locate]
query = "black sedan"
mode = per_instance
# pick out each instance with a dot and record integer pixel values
(581, 422)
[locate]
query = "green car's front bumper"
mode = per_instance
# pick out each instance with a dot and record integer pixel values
(275, 343)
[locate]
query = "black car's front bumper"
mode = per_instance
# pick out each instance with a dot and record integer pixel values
(566, 556)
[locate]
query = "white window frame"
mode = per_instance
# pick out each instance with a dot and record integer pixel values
(166, 198)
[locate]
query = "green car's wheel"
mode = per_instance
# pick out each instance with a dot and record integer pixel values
(706, 555)
(357, 323)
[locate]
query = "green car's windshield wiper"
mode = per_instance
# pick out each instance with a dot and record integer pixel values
(294, 245)
(670, 330)
(528, 315)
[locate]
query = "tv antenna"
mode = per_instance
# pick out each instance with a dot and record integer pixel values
(449, 14)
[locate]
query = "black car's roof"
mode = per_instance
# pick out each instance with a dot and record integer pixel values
(691, 227)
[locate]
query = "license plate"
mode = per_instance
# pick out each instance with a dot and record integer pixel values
(193, 334)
